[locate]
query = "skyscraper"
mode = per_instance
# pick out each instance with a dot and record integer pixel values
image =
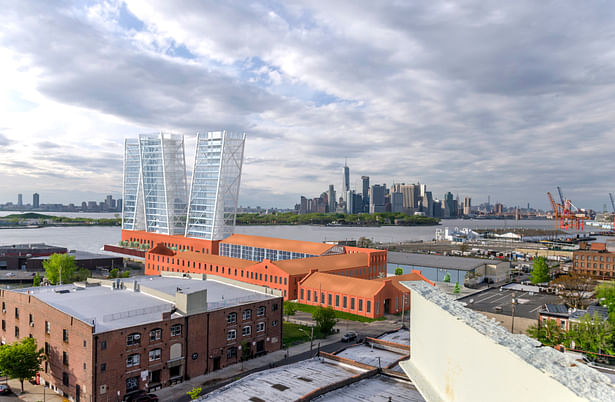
(35, 200)
(155, 186)
(365, 193)
(331, 198)
(346, 184)
(215, 185)
(20, 200)
(467, 205)
(377, 198)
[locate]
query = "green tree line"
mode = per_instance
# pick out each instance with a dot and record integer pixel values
(291, 218)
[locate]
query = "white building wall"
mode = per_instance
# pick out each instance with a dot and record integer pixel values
(453, 361)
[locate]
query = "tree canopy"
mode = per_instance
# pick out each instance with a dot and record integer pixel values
(447, 277)
(605, 293)
(399, 271)
(59, 262)
(325, 319)
(21, 359)
(540, 271)
(575, 288)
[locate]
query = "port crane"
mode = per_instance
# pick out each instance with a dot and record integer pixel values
(565, 214)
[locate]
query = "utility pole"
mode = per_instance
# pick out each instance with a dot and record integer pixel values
(513, 302)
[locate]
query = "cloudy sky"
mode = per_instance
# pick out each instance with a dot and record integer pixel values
(507, 99)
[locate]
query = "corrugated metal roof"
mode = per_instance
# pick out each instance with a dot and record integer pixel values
(557, 308)
(438, 261)
(343, 284)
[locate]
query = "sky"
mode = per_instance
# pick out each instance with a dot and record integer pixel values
(507, 99)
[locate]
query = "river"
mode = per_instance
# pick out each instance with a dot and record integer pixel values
(92, 238)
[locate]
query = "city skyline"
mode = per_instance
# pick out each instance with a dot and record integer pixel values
(420, 96)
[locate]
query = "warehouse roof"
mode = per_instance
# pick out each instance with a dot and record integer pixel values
(323, 263)
(297, 246)
(108, 308)
(342, 284)
(438, 261)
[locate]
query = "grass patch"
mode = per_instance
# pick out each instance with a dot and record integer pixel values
(291, 334)
(306, 308)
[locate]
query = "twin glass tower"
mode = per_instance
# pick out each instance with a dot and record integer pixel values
(156, 195)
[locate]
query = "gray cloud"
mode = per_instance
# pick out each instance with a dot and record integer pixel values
(507, 99)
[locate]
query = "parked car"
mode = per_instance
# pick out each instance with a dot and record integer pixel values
(349, 336)
(141, 396)
(5, 389)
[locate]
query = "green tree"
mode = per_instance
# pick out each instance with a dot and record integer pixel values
(593, 335)
(21, 360)
(364, 242)
(325, 319)
(290, 308)
(549, 334)
(36, 281)
(114, 273)
(540, 271)
(399, 271)
(245, 350)
(194, 393)
(605, 293)
(57, 263)
(447, 277)
(81, 275)
(457, 288)
(125, 274)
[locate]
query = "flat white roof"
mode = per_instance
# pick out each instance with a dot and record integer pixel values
(401, 336)
(370, 355)
(376, 388)
(286, 383)
(108, 309)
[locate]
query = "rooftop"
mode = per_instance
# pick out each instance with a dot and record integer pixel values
(401, 336)
(415, 275)
(82, 255)
(108, 308)
(499, 301)
(286, 383)
(297, 246)
(376, 388)
(324, 263)
(581, 380)
(373, 356)
(216, 259)
(345, 285)
(438, 261)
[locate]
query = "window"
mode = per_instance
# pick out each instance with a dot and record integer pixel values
(231, 318)
(155, 335)
(330, 297)
(231, 352)
(3, 325)
(274, 323)
(16, 312)
(315, 297)
(562, 324)
(247, 314)
(309, 295)
(133, 339)
(260, 327)
(352, 303)
(176, 330)
(85, 343)
(132, 384)
(31, 320)
(103, 367)
(231, 334)
(16, 332)
(360, 304)
(65, 358)
(368, 306)
(345, 305)
(337, 300)
(103, 345)
(154, 355)
(3, 307)
(65, 335)
(322, 297)
(65, 378)
(274, 307)
(261, 311)
(133, 360)
(247, 330)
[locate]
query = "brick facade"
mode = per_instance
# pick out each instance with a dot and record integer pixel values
(96, 366)
(598, 264)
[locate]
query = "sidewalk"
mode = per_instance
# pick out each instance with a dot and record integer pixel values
(375, 328)
(177, 391)
(32, 393)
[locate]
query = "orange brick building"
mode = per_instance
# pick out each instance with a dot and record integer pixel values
(275, 263)
(369, 298)
(595, 260)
